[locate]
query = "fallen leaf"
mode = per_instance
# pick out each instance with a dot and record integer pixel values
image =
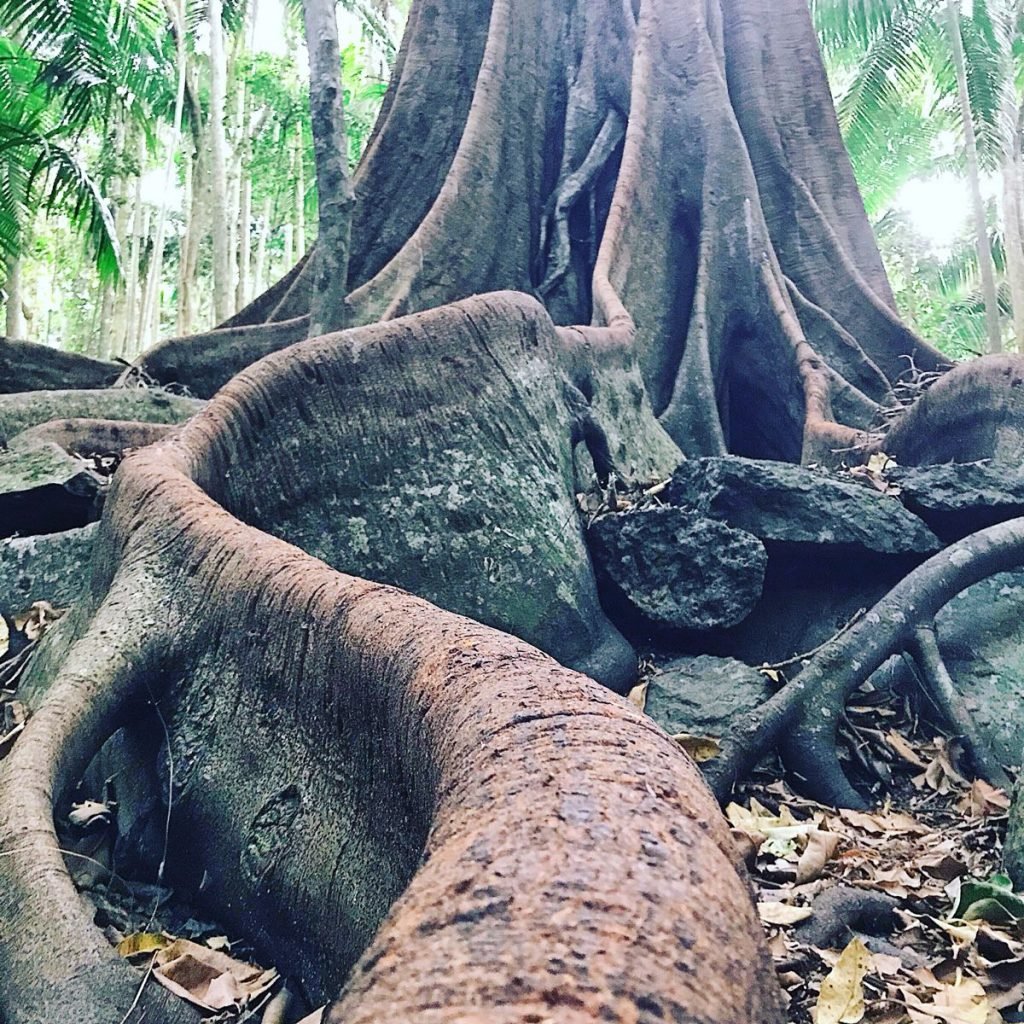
(820, 848)
(841, 999)
(983, 799)
(700, 748)
(638, 695)
(904, 749)
(142, 942)
(963, 1002)
(209, 978)
(779, 913)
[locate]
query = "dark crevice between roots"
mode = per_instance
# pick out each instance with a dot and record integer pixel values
(684, 254)
(45, 510)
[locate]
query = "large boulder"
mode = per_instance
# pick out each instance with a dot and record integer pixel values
(51, 567)
(678, 569)
(956, 499)
(43, 489)
(981, 634)
(783, 503)
(704, 695)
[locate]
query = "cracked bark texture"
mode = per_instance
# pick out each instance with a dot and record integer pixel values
(354, 767)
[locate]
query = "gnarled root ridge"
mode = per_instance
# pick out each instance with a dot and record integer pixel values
(359, 777)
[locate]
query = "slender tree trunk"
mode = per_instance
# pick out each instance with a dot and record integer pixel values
(289, 244)
(260, 275)
(300, 192)
(15, 326)
(985, 262)
(131, 321)
(334, 187)
(151, 303)
(133, 338)
(244, 291)
(222, 284)
(1014, 244)
(183, 323)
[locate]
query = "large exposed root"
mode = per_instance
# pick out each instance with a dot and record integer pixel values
(151, 405)
(803, 716)
(25, 366)
(340, 746)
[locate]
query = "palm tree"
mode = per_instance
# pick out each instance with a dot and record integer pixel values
(67, 67)
(897, 50)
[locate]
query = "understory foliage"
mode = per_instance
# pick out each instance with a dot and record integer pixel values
(90, 150)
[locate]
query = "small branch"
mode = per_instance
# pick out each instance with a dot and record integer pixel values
(780, 665)
(926, 653)
(571, 188)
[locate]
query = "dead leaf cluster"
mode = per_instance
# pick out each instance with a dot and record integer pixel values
(957, 955)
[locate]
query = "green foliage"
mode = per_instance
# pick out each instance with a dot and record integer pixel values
(68, 67)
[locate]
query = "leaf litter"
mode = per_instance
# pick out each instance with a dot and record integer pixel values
(952, 950)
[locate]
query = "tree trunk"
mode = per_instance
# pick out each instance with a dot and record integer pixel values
(222, 282)
(187, 254)
(986, 264)
(1014, 241)
(260, 276)
(417, 816)
(334, 188)
(300, 190)
(15, 324)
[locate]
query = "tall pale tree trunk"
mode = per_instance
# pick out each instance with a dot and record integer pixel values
(15, 324)
(334, 187)
(260, 275)
(1014, 243)
(184, 321)
(244, 290)
(151, 302)
(222, 283)
(124, 342)
(300, 191)
(985, 262)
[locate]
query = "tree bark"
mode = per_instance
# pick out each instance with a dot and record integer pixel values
(222, 283)
(986, 264)
(672, 172)
(335, 198)
(15, 322)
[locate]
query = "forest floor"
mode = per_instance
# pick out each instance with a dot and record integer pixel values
(893, 916)
(911, 919)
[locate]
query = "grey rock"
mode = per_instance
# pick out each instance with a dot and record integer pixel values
(678, 569)
(704, 695)
(43, 489)
(780, 502)
(51, 567)
(957, 499)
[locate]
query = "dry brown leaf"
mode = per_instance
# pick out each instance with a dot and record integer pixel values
(983, 799)
(142, 942)
(209, 978)
(841, 999)
(963, 1002)
(904, 749)
(782, 914)
(638, 695)
(885, 965)
(821, 847)
(700, 748)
